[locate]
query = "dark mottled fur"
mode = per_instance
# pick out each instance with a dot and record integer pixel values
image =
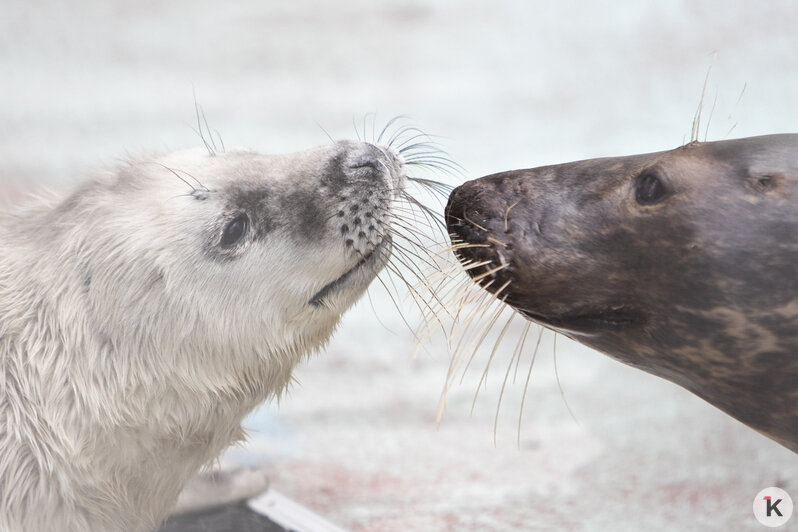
(700, 288)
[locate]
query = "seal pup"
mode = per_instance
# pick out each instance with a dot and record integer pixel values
(144, 314)
(683, 263)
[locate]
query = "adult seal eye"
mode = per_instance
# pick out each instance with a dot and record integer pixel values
(235, 230)
(649, 189)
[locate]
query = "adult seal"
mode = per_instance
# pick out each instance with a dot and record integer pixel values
(145, 313)
(683, 263)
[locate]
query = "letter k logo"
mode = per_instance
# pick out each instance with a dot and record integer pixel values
(772, 506)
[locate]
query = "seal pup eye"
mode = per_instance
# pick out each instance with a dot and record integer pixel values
(649, 188)
(235, 230)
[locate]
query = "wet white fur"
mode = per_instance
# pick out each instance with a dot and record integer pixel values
(115, 389)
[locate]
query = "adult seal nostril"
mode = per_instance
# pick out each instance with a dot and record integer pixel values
(466, 224)
(683, 263)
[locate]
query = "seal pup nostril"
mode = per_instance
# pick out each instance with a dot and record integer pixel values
(367, 161)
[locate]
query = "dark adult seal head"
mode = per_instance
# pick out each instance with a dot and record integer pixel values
(145, 313)
(683, 263)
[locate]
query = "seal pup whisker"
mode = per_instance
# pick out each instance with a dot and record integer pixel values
(429, 309)
(437, 187)
(405, 144)
(428, 213)
(388, 125)
(221, 141)
(407, 252)
(365, 118)
(436, 165)
(414, 242)
(445, 282)
(208, 129)
(208, 146)
(411, 145)
(433, 157)
(393, 300)
(376, 314)
(413, 292)
(326, 133)
(416, 294)
(417, 220)
(174, 171)
(411, 221)
(417, 151)
(406, 129)
(407, 218)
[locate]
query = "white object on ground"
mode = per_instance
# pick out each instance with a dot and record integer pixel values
(290, 514)
(219, 487)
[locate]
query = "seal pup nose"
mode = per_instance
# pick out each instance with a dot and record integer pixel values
(367, 160)
(363, 163)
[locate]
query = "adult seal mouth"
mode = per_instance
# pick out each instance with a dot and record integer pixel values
(683, 263)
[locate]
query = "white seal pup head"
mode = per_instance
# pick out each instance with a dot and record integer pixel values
(142, 316)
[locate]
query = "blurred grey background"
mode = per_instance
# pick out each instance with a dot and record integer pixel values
(507, 84)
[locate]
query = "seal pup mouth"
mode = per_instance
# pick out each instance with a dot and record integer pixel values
(377, 254)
